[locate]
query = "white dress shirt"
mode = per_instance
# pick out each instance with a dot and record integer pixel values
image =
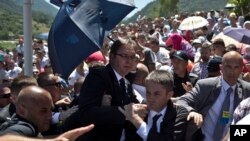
(145, 127)
(212, 116)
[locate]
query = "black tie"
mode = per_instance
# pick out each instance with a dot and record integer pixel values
(123, 89)
(154, 125)
(153, 129)
(222, 120)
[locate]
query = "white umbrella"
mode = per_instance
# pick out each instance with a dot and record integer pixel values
(229, 6)
(193, 22)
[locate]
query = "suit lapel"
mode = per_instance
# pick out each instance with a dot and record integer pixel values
(170, 114)
(238, 94)
(214, 93)
(117, 94)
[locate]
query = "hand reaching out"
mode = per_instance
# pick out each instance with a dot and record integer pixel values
(198, 119)
(64, 101)
(135, 113)
(187, 86)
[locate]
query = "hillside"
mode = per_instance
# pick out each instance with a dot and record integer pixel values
(157, 8)
(200, 5)
(11, 25)
(40, 6)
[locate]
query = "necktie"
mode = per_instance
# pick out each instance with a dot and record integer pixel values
(153, 129)
(154, 125)
(224, 116)
(123, 89)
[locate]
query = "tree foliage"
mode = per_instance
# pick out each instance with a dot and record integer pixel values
(11, 17)
(168, 7)
(242, 6)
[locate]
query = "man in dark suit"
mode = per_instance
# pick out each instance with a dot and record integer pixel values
(109, 81)
(205, 102)
(160, 121)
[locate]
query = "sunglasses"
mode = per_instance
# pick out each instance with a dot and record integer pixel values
(5, 95)
(57, 84)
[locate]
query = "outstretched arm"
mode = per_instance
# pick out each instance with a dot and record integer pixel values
(67, 136)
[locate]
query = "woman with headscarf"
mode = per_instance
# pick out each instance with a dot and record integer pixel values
(177, 42)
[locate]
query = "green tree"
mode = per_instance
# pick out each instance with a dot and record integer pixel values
(168, 7)
(242, 6)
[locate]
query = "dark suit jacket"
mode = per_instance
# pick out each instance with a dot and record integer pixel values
(7, 112)
(167, 126)
(109, 121)
(19, 126)
(205, 93)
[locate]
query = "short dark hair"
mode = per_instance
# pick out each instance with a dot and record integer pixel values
(219, 41)
(120, 42)
(231, 47)
(154, 40)
(162, 77)
(21, 82)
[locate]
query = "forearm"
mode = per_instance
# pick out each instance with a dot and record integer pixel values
(104, 115)
(10, 137)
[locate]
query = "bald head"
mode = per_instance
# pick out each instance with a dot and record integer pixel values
(232, 56)
(32, 94)
(141, 73)
(231, 67)
(34, 104)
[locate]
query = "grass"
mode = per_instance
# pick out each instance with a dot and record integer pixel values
(7, 45)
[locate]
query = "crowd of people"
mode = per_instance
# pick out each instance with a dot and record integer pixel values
(151, 82)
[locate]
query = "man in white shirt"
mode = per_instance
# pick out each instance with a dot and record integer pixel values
(159, 124)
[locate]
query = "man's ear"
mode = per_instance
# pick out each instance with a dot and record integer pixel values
(21, 109)
(220, 66)
(170, 94)
(13, 99)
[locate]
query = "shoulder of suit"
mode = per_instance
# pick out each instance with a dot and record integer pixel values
(210, 79)
(192, 75)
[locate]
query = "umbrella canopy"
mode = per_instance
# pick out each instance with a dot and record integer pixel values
(229, 6)
(79, 30)
(193, 22)
(58, 3)
(42, 36)
(228, 40)
(240, 34)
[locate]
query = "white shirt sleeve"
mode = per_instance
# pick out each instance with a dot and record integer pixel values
(55, 118)
(143, 131)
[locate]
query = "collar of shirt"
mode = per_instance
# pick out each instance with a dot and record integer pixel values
(225, 85)
(153, 113)
(118, 77)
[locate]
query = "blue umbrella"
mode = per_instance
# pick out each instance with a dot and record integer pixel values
(58, 3)
(79, 30)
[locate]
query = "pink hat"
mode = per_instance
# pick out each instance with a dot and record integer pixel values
(96, 56)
